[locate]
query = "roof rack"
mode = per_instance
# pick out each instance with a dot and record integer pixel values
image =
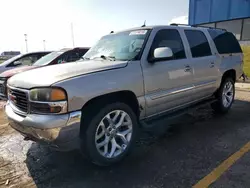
(175, 24)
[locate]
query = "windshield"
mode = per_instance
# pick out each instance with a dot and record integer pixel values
(11, 59)
(121, 46)
(47, 58)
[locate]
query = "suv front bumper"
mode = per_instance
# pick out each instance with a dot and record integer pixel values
(58, 131)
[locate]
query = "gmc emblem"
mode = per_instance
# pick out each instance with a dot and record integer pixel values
(12, 98)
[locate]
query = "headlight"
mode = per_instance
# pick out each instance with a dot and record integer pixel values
(48, 100)
(47, 94)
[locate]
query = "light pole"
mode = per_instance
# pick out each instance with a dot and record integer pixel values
(72, 35)
(44, 47)
(26, 41)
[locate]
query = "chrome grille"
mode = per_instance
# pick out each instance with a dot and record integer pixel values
(19, 99)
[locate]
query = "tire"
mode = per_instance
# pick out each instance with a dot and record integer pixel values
(225, 96)
(101, 130)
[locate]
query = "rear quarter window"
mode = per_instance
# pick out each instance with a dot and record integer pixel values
(225, 42)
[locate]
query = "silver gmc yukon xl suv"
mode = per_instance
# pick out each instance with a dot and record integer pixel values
(128, 79)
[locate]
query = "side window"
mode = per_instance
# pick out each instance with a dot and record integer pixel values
(73, 56)
(82, 52)
(198, 43)
(34, 58)
(169, 38)
(27, 60)
(225, 42)
(61, 59)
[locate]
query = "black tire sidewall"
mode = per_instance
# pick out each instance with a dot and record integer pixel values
(88, 146)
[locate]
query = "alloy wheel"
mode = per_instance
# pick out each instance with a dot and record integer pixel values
(228, 94)
(113, 134)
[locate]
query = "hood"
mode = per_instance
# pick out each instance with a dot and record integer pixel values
(14, 71)
(46, 76)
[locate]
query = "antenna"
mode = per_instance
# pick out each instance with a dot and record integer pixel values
(144, 24)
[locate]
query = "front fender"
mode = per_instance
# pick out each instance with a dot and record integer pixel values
(84, 88)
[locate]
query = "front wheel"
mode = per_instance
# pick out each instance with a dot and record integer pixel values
(110, 134)
(225, 96)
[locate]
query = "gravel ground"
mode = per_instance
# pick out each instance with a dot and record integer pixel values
(176, 157)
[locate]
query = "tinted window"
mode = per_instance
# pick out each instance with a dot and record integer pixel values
(82, 52)
(198, 43)
(76, 55)
(73, 56)
(62, 58)
(225, 42)
(169, 38)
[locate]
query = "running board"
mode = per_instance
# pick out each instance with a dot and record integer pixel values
(166, 118)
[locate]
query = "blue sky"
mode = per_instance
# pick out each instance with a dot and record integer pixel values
(50, 20)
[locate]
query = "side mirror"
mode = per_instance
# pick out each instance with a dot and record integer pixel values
(17, 63)
(161, 53)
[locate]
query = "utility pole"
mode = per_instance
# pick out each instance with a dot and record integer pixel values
(72, 35)
(26, 41)
(44, 47)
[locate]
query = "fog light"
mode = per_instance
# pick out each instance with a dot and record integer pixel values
(55, 109)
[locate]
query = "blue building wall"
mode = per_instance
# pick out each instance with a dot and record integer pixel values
(205, 11)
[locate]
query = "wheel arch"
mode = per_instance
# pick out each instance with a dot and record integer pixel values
(126, 96)
(229, 73)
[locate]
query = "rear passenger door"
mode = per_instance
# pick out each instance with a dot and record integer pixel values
(204, 63)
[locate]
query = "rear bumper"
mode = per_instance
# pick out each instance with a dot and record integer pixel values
(58, 131)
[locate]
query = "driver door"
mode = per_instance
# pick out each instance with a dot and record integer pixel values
(168, 83)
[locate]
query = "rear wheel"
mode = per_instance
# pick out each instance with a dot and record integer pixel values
(225, 96)
(110, 134)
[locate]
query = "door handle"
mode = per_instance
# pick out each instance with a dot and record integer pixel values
(187, 68)
(212, 65)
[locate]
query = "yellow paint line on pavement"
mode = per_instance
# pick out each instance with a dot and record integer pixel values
(225, 165)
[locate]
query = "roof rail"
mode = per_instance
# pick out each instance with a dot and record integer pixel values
(175, 24)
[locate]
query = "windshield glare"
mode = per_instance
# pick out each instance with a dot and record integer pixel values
(122, 46)
(47, 58)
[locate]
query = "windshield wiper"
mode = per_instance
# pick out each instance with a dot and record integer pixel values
(111, 58)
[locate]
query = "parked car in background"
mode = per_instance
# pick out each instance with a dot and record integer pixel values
(131, 78)
(56, 57)
(22, 59)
